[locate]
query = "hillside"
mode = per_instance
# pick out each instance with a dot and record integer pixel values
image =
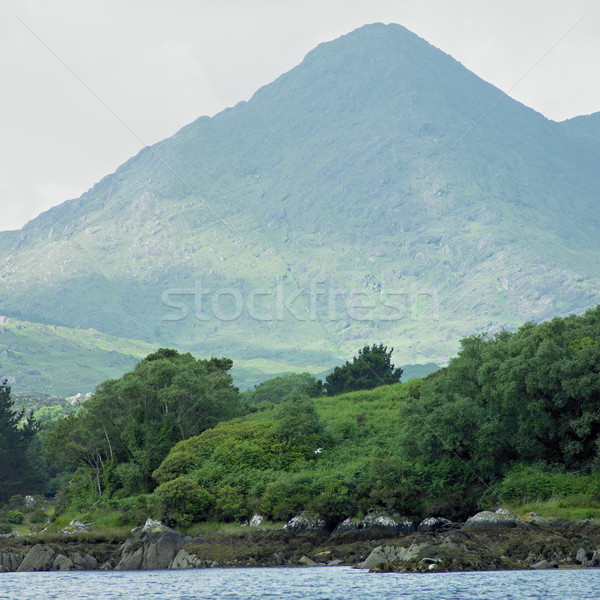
(379, 165)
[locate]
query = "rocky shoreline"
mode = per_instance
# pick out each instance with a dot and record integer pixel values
(381, 543)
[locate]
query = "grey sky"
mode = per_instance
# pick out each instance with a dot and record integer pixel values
(159, 65)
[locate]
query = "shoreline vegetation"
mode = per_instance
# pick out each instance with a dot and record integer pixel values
(495, 454)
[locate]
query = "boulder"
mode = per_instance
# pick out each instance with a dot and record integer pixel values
(487, 518)
(76, 527)
(184, 560)
(387, 525)
(433, 524)
(387, 554)
(256, 520)
(30, 501)
(304, 522)
(346, 526)
(61, 563)
(582, 557)
(545, 564)
(39, 558)
(10, 561)
(307, 562)
(152, 526)
(151, 550)
(83, 562)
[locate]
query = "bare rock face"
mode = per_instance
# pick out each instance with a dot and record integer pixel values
(10, 561)
(304, 522)
(39, 558)
(62, 563)
(388, 554)
(184, 560)
(387, 524)
(433, 524)
(486, 518)
(151, 550)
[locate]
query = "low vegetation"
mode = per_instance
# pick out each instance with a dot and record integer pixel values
(512, 420)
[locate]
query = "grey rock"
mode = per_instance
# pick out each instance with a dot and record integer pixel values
(334, 563)
(83, 562)
(581, 556)
(131, 560)
(152, 551)
(433, 524)
(39, 558)
(61, 563)
(387, 524)
(386, 554)
(10, 561)
(304, 522)
(184, 560)
(307, 562)
(77, 527)
(487, 518)
(152, 526)
(256, 520)
(30, 501)
(346, 526)
(545, 564)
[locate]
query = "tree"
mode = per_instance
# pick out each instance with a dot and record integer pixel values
(371, 368)
(277, 389)
(298, 422)
(123, 433)
(14, 472)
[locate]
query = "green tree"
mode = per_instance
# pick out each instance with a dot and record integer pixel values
(298, 423)
(371, 368)
(126, 429)
(12, 451)
(277, 388)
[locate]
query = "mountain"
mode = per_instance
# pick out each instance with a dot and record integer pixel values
(379, 171)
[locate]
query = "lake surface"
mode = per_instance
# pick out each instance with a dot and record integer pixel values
(314, 583)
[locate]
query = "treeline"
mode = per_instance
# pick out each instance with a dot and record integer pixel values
(513, 415)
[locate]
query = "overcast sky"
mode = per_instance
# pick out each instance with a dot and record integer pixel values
(159, 65)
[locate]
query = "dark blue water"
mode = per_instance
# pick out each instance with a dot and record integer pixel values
(316, 583)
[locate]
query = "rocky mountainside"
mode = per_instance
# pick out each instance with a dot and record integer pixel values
(379, 191)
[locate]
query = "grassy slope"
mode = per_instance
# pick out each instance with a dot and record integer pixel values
(286, 188)
(47, 360)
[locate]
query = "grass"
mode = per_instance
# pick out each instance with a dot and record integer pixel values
(230, 529)
(572, 509)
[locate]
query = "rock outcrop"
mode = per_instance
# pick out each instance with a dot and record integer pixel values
(151, 550)
(39, 558)
(10, 561)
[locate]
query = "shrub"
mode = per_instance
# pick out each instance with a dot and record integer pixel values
(15, 516)
(38, 516)
(136, 509)
(184, 501)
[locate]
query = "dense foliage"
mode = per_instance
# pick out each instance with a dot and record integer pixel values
(277, 389)
(515, 417)
(19, 472)
(371, 368)
(125, 430)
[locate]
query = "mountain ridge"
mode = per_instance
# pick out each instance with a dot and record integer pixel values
(378, 165)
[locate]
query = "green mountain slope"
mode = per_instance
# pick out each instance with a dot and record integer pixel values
(45, 359)
(379, 171)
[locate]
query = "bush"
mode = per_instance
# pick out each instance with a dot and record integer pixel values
(184, 501)
(38, 516)
(15, 516)
(136, 509)
(5, 528)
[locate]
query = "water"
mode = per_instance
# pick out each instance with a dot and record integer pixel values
(317, 583)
